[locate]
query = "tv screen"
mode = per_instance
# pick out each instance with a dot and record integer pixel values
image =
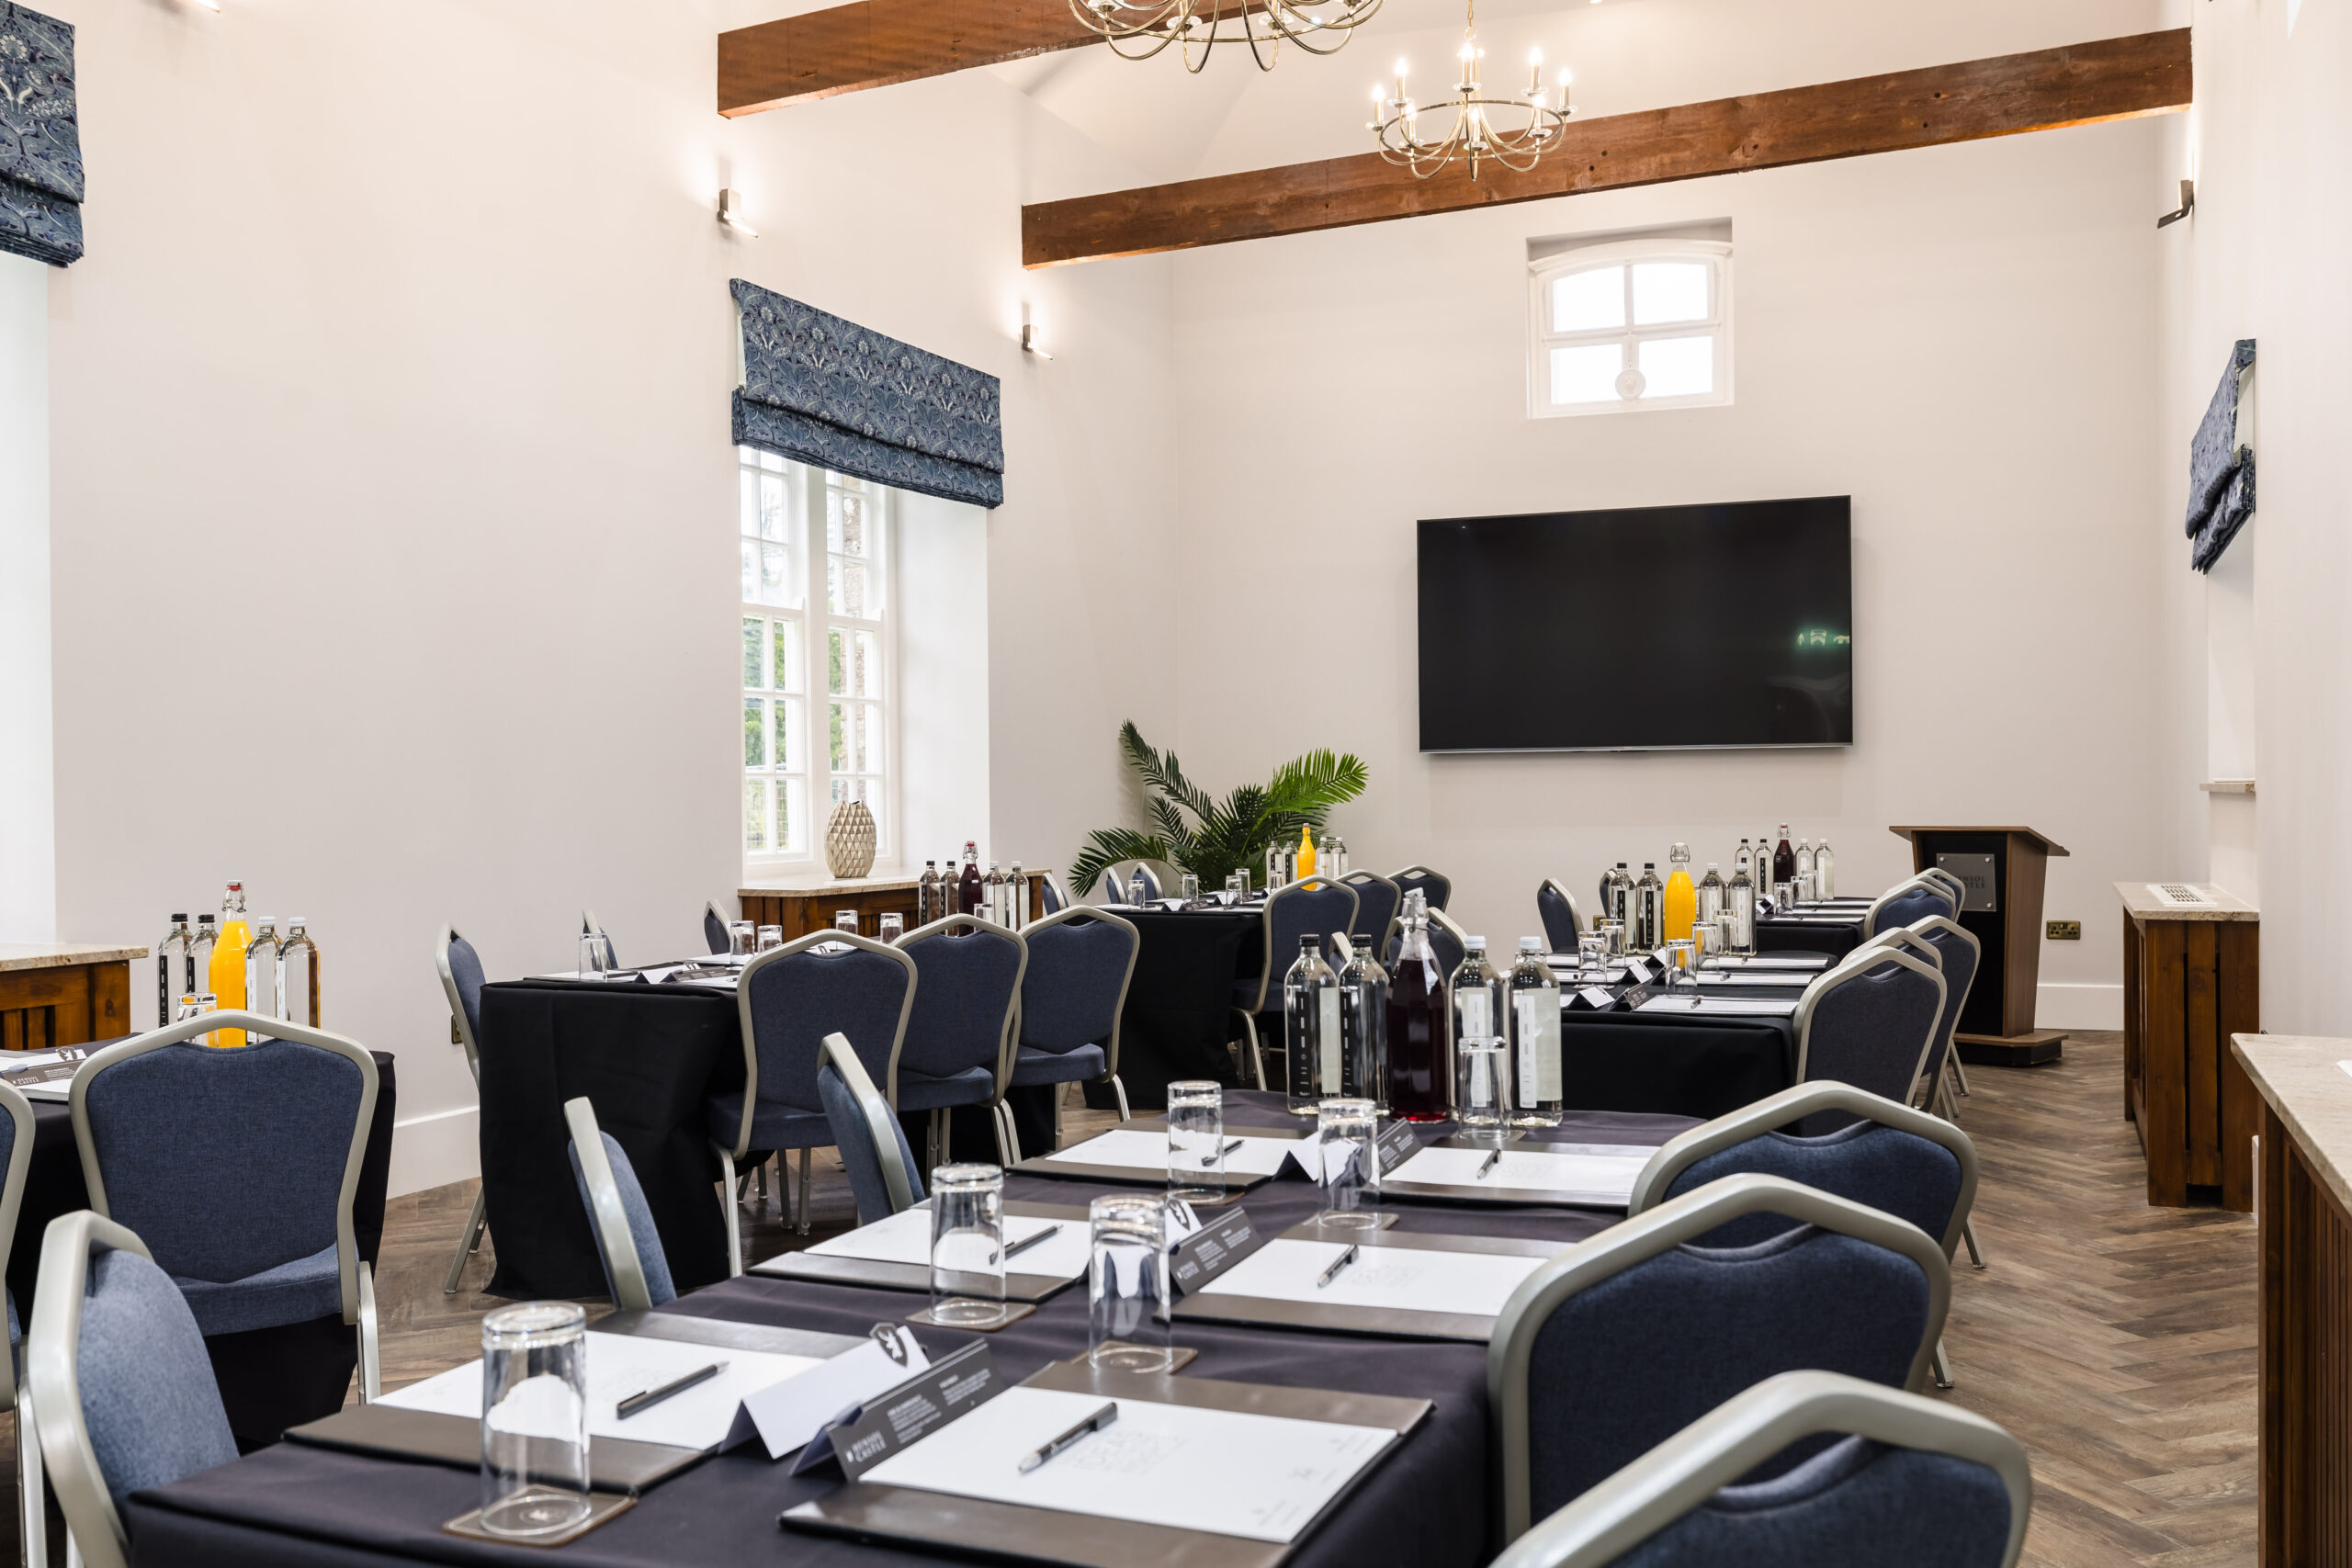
(1641, 628)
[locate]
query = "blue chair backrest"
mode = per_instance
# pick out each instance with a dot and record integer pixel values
(1559, 919)
(855, 1138)
(1959, 960)
(798, 999)
(651, 1261)
(1443, 945)
(1069, 998)
(1916, 905)
(1855, 1502)
(1052, 897)
(1377, 901)
(1628, 1361)
(714, 930)
(227, 1161)
(1435, 889)
(964, 989)
(465, 969)
(1870, 1030)
(1323, 910)
(148, 1397)
(1892, 1171)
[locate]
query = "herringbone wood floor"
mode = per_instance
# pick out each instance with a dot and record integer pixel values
(2115, 1340)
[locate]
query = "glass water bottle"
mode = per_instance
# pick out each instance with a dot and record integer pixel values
(1420, 1074)
(1647, 921)
(260, 969)
(1804, 869)
(1767, 884)
(200, 956)
(1016, 899)
(1710, 895)
(298, 974)
(1740, 907)
(1481, 1003)
(928, 903)
(175, 976)
(1311, 1040)
(1825, 879)
(1364, 1026)
(1538, 1099)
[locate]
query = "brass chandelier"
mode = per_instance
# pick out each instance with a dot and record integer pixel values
(1138, 30)
(1514, 133)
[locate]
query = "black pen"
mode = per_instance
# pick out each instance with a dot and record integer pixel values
(1210, 1159)
(1021, 1247)
(1486, 1165)
(1092, 1424)
(1337, 1264)
(651, 1397)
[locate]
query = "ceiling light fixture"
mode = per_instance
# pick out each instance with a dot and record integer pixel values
(1138, 30)
(1514, 133)
(730, 213)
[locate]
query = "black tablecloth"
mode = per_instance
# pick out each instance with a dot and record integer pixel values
(647, 1057)
(1426, 1506)
(1179, 1015)
(270, 1378)
(1648, 1062)
(1796, 936)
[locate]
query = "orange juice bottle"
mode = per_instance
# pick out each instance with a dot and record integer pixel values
(227, 978)
(1305, 853)
(1682, 902)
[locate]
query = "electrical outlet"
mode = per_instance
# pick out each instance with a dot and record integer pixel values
(2063, 930)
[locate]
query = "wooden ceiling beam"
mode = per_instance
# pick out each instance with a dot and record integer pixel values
(2120, 78)
(873, 43)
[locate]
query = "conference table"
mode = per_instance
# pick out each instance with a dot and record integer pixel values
(1425, 1506)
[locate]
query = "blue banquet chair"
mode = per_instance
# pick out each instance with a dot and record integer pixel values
(1072, 997)
(1555, 906)
(1908, 901)
(637, 1268)
(15, 1159)
(461, 982)
(1377, 901)
(1309, 907)
(1871, 1021)
(1435, 887)
(959, 1035)
(714, 934)
(881, 1167)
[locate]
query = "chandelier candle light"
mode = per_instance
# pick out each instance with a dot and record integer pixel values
(1138, 30)
(1484, 128)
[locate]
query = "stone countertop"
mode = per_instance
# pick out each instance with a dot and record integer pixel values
(2306, 1081)
(2143, 904)
(58, 955)
(825, 884)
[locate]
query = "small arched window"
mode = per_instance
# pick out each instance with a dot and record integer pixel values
(1634, 325)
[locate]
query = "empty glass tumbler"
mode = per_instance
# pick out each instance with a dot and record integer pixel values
(1195, 1139)
(1350, 1129)
(742, 939)
(533, 1419)
(1481, 1082)
(1592, 956)
(593, 956)
(771, 936)
(845, 920)
(1614, 934)
(967, 1245)
(1126, 1285)
(1191, 891)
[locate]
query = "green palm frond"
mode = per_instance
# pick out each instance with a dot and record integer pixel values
(1107, 846)
(1224, 836)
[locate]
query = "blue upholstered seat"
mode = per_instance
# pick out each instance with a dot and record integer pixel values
(921, 1092)
(1624, 1363)
(1958, 954)
(774, 1127)
(1083, 1064)
(1314, 908)
(714, 930)
(228, 1164)
(1377, 901)
(1559, 918)
(791, 1003)
(1854, 1502)
(1896, 1172)
(1053, 903)
(653, 1260)
(1916, 905)
(1871, 1030)
(966, 983)
(853, 1135)
(466, 975)
(147, 1396)
(1435, 888)
(1070, 1001)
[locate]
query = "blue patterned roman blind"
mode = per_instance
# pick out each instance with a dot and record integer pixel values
(40, 145)
(2220, 472)
(829, 392)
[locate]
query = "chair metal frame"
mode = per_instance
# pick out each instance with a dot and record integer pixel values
(1006, 1032)
(357, 1278)
(881, 1124)
(1007, 1135)
(1715, 1451)
(31, 1523)
(1939, 888)
(1931, 1087)
(1049, 882)
(1575, 914)
(1857, 963)
(1267, 981)
(606, 1214)
(1641, 1237)
(727, 1157)
(1959, 888)
(1398, 878)
(461, 1032)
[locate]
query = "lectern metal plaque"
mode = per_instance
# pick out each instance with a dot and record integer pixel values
(1975, 874)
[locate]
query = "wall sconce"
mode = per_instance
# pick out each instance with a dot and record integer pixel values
(730, 213)
(2187, 202)
(1031, 343)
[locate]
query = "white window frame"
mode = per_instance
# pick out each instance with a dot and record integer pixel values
(809, 740)
(1542, 340)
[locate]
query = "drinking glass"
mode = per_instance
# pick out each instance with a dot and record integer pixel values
(893, 927)
(533, 1419)
(1195, 1139)
(1592, 956)
(845, 920)
(771, 936)
(1191, 891)
(967, 1245)
(591, 955)
(1706, 940)
(742, 939)
(1351, 1179)
(1481, 1063)
(1614, 932)
(1680, 974)
(1128, 1328)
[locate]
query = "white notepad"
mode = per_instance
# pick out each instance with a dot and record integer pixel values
(1149, 1151)
(1595, 1173)
(1784, 977)
(623, 1364)
(905, 1238)
(1259, 1477)
(1397, 1278)
(1723, 1007)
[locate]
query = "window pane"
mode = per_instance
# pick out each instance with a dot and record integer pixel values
(1585, 301)
(755, 733)
(832, 519)
(839, 723)
(852, 590)
(787, 720)
(789, 815)
(1587, 374)
(755, 674)
(835, 661)
(1671, 291)
(864, 675)
(750, 572)
(852, 518)
(787, 657)
(750, 497)
(756, 816)
(1678, 367)
(772, 511)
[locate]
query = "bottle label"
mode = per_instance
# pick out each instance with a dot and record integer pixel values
(1537, 1014)
(1326, 999)
(1476, 1018)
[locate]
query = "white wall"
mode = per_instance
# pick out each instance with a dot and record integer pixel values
(27, 823)
(394, 504)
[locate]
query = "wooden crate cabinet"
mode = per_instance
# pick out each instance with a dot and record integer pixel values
(2192, 977)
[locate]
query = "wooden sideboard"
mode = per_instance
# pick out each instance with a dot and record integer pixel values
(803, 904)
(55, 994)
(2192, 979)
(2305, 1334)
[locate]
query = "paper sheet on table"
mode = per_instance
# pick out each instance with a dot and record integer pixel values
(56, 1089)
(1723, 1007)
(1399, 1278)
(1772, 961)
(623, 1364)
(905, 1238)
(1793, 978)
(1598, 1173)
(1149, 1151)
(1259, 1477)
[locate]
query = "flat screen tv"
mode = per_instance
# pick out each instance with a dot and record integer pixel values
(1638, 629)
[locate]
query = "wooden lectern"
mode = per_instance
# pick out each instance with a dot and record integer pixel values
(2002, 868)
